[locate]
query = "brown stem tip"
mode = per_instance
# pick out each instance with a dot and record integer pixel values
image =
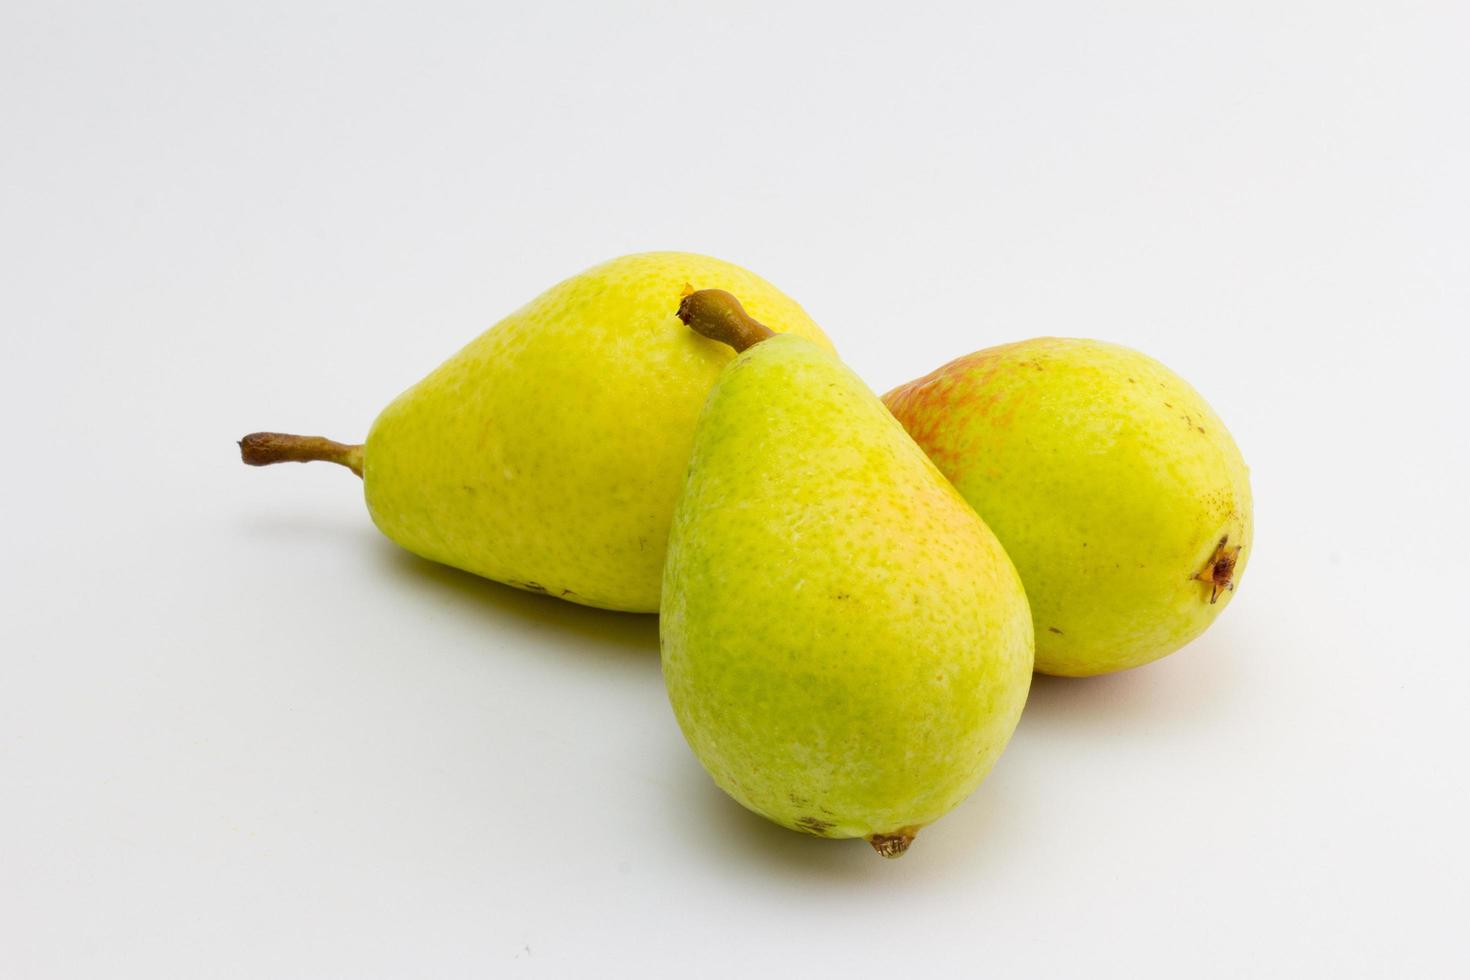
(895, 844)
(716, 314)
(265, 448)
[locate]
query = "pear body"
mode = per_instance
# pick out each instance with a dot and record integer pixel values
(1116, 490)
(845, 644)
(548, 453)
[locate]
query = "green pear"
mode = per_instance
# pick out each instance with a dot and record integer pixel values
(1115, 489)
(846, 646)
(548, 453)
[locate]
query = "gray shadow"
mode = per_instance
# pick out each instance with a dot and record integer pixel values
(598, 630)
(1186, 690)
(729, 836)
(1183, 690)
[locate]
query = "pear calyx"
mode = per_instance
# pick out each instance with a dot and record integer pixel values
(895, 844)
(1219, 571)
(718, 315)
(265, 448)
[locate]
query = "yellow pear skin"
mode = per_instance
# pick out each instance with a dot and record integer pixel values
(1115, 488)
(845, 644)
(548, 453)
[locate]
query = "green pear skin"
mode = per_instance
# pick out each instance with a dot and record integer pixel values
(548, 453)
(1116, 490)
(845, 644)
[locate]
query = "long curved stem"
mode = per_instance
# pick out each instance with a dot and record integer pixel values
(265, 448)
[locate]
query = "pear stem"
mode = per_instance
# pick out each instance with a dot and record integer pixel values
(265, 448)
(716, 314)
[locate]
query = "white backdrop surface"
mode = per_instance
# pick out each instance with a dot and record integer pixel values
(242, 735)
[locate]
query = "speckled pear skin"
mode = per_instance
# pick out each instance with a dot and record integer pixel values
(845, 644)
(549, 452)
(1111, 483)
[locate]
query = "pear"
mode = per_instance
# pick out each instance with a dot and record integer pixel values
(845, 644)
(1116, 490)
(548, 453)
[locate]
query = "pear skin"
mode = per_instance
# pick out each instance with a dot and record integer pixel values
(548, 453)
(845, 644)
(1116, 490)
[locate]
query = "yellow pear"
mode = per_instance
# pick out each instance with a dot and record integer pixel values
(548, 453)
(845, 644)
(1115, 488)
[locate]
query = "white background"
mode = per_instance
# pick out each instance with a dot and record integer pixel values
(242, 735)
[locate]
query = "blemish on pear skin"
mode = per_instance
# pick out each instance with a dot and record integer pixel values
(1056, 631)
(812, 825)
